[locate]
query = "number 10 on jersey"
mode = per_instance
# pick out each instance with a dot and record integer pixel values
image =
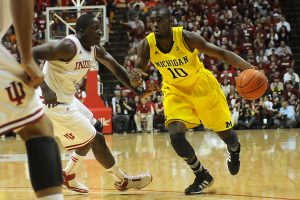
(177, 72)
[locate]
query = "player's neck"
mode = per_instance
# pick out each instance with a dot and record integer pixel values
(84, 43)
(165, 43)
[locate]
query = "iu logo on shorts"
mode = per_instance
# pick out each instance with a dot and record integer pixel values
(16, 92)
(69, 136)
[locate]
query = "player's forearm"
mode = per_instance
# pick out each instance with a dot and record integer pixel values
(22, 19)
(236, 60)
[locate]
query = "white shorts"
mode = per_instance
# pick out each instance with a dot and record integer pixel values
(19, 104)
(72, 124)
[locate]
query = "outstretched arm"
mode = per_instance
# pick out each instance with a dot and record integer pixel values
(197, 42)
(119, 71)
(63, 50)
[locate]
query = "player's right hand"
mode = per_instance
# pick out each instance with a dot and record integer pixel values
(49, 96)
(33, 75)
(135, 76)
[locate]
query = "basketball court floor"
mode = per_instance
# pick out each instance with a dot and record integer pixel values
(270, 167)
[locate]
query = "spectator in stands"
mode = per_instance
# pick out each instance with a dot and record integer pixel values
(137, 29)
(217, 34)
(159, 118)
(289, 74)
(286, 117)
(289, 90)
(133, 12)
(143, 112)
(293, 101)
(178, 12)
(294, 83)
(259, 43)
(270, 50)
(244, 116)
(110, 11)
(261, 57)
(276, 85)
(225, 85)
(283, 22)
(284, 35)
(281, 49)
(267, 103)
(260, 116)
(115, 100)
(121, 118)
(140, 4)
(285, 61)
(272, 37)
(196, 30)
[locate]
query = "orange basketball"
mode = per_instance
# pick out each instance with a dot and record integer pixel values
(251, 84)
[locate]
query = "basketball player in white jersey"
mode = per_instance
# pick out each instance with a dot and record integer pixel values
(67, 63)
(20, 106)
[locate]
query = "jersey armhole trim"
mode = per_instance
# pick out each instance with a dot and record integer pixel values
(67, 62)
(185, 44)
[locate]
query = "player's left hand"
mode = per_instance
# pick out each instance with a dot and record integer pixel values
(136, 76)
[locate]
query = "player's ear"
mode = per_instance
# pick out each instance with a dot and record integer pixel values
(81, 32)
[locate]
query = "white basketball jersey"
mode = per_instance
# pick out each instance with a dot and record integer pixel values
(5, 17)
(62, 77)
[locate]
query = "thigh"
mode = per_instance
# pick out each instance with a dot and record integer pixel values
(72, 128)
(76, 104)
(211, 106)
(177, 109)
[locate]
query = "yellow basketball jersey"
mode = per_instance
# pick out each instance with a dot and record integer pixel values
(180, 66)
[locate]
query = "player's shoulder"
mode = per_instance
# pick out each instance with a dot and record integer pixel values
(100, 50)
(192, 40)
(143, 43)
(65, 49)
(188, 36)
(65, 44)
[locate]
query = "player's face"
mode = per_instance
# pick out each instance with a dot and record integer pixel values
(160, 24)
(93, 32)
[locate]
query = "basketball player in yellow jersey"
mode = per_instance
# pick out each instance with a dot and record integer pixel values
(192, 95)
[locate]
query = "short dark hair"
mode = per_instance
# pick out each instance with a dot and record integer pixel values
(84, 21)
(163, 9)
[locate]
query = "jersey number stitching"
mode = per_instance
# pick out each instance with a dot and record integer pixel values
(176, 72)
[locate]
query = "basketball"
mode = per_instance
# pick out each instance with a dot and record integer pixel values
(251, 84)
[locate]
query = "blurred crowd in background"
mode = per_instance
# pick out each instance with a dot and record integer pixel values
(257, 30)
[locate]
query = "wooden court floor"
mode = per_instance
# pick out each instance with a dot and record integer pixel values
(270, 167)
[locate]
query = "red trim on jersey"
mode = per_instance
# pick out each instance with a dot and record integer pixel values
(72, 158)
(38, 112)
(75, 146)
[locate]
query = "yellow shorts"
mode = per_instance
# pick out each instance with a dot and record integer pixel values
(203, 103)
